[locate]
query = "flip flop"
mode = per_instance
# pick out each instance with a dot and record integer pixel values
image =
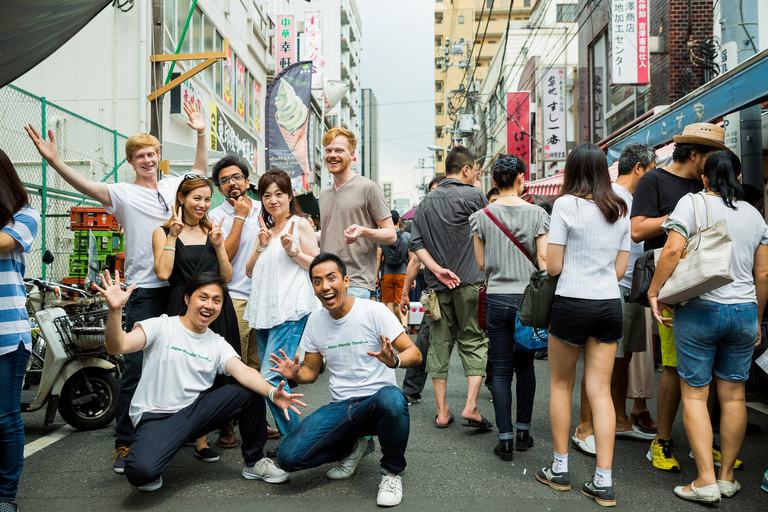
(483, 424)
(587, 446)
(444, 425)
(635, 433)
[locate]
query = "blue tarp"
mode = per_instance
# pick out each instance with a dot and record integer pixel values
(745, 85)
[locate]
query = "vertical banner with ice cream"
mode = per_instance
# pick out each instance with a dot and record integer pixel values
(240, 88)
(287, 120)
(257, 106)
(228, 77)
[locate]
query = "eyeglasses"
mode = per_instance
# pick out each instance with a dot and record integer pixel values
(226, 179)
(161, 200)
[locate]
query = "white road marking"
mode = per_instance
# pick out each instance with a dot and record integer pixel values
(758, 406)
(45, 441)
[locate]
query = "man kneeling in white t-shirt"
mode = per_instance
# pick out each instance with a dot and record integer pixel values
(353, 335)
(173, 402)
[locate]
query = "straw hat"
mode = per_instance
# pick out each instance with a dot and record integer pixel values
(706, 134)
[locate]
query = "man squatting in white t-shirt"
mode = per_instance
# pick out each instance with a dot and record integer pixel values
(356, 337)
(171, 407)
(140, 207)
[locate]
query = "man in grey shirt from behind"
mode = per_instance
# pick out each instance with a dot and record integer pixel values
(442, 239)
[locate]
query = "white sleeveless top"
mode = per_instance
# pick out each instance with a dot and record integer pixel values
(281, 290)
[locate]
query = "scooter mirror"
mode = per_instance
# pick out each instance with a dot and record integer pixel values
(47, 257)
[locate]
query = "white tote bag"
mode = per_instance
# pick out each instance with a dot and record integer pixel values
(706, 261)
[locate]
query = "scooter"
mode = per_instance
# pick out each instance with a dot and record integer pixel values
(68, 368)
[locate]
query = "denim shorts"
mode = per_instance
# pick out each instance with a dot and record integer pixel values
(574, 320)
(711, 335)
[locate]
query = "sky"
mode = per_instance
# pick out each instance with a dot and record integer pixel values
(398, 65)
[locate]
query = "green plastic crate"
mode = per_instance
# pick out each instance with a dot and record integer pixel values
(107, 242)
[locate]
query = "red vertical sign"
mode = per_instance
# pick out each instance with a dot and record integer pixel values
(518, 127)
(642, 41)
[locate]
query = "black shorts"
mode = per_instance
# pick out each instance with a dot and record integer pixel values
(573, 320)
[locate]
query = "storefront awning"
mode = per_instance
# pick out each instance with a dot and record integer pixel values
(743, 86)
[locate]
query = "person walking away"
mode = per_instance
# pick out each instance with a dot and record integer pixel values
(656, 196)
(719, 329)
(281, 293)
(140, 207)
(442, 239)
(395, 261)
(508, 270)
(588, 247)
(20, 224)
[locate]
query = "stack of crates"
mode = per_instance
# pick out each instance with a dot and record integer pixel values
(87, 220)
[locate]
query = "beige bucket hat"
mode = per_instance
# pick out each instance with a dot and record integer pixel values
(706, 134)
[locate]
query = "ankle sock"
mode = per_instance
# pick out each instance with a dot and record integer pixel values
(560, 463)
(603, 477)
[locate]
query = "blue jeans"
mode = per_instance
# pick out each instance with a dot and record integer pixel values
(358, 292)
(711, 335)
(13, 365)
(329, 434)
(285, 336)
(500, 312)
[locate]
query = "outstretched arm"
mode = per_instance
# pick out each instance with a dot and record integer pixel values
(253, 380)
(49, 151)
(197, 123)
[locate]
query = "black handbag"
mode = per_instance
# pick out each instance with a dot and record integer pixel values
(645, 267)
(536, 304)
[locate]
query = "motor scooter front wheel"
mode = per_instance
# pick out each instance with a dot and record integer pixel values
(88, 399)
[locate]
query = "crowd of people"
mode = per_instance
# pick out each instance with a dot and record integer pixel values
(219, 302)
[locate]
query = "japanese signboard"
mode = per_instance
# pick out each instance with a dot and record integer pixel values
(554, 114)
(598, 122)
(229, 77)
(228, 137)
(240, 88)
(313, 46)
(256, 106)
(288, 120)
(285, 41)
(518, 126)
(731, 122)
(629, 41)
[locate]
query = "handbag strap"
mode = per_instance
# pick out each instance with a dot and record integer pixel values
(506, 232)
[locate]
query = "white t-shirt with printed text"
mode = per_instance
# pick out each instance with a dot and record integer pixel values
(344, 344)
(178, 365)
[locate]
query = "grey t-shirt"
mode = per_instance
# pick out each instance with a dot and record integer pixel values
(359, 201)
(508, 270)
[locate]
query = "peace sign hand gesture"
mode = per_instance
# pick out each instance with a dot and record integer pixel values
(115, 296)
(387, 354)
(265, 235)
(216, 235)
(177, 224)
(287, 240)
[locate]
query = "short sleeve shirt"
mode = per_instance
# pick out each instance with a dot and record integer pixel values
(140, 210)
(14, 319)
(240, 286)
(360, 201)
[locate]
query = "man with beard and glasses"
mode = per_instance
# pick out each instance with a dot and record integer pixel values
(140, 207)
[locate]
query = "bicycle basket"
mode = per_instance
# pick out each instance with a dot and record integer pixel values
(83, 332)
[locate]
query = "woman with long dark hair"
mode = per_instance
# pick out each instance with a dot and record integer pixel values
(719, 329)
(588, 247)
(185, 246)
(508, 270)
(20, 222)
(282, 296)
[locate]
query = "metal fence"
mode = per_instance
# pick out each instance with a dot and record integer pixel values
(92, 149)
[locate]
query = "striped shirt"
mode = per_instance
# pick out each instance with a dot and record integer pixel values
(14, 320)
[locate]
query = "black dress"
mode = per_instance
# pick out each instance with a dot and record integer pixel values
(189, 261)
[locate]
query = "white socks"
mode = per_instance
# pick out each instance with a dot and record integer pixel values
(560, 464)
(603, 477)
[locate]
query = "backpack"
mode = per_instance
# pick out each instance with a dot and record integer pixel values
(397, 254)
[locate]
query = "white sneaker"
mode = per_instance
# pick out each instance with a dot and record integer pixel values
(152, 486)
(346, 467)
(390, 491)
(265, 469)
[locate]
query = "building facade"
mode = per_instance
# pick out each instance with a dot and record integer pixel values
(369, 130)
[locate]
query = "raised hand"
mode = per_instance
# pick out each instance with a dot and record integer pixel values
(196, 119)
(288, 368)
(265, 235)
(352, 233)
(387, 354)
(286, 239)
(216, 235)
(287, 401)
(115, 296)
(177, 224)
(448, 278)
(46, 148)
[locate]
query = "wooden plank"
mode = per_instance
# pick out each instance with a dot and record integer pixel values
(176, 81)
(187, 56)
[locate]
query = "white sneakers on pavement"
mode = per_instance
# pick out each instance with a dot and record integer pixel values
(152, 486)
(265, 469)
(346, 467)
(390, 490)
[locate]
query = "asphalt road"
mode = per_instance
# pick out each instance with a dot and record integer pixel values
(448, 470)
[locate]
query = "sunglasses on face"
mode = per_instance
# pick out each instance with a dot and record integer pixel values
(235, 177)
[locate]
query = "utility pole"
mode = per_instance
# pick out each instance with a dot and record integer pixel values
(156, 71)
(739, 26)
